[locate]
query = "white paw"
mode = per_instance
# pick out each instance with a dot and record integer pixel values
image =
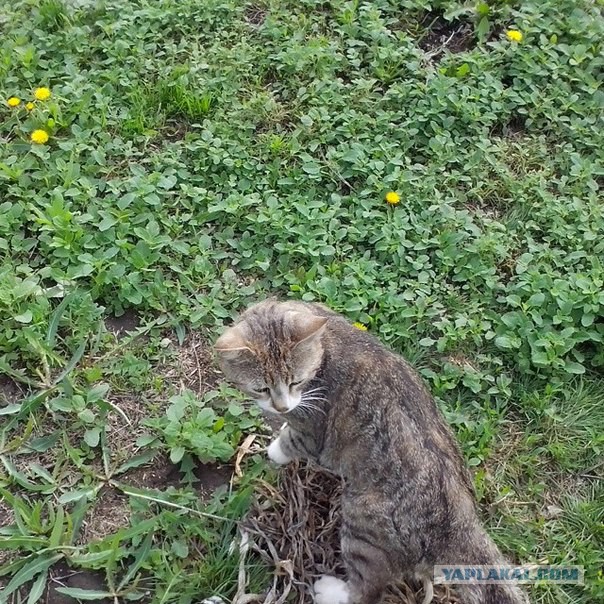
(329, 590)
(276, 454)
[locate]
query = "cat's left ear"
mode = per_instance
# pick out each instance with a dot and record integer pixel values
(232, 344)
(308, 328)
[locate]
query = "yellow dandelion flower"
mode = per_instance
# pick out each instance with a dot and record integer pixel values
(13, 101)
(39, 137)
(514, 35)
(360, 326)
(42, 93)
(29, 106)
(393, 198)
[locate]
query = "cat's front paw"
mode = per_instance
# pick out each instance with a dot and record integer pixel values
(276, 454)
(329, 590)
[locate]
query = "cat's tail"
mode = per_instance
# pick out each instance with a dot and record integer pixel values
(482, 551)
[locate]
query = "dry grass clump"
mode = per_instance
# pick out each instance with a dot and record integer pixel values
(295, 527)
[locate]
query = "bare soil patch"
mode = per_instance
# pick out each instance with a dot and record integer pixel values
(61, 575)
(121, 325)
(111, 510)
(10, 391)
(442, 35)
(513, 129)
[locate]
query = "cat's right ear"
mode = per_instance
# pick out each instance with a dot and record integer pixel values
(232, 345)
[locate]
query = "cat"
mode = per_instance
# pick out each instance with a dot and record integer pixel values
(361, 411)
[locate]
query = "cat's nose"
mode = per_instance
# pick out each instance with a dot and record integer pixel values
(280, 396)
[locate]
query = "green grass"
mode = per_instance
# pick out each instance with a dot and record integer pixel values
(206, 154)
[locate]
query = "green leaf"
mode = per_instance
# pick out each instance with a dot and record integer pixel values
(540, 359)
(22, 542)
(55, 320)
(97, 392)
(57, 529)
(483, 27)
(483, 9)
(141, 556)
(145, 440)
(87, 416)
(107, 223)
(89, 558)
(29, 405)
(43, 443)
(573, 367)
(27, 572)
(25, 317)
(78, 513)
(176, 454)
(311, 169)
(19, 477)
(462, 71)
(84, 594)
(504, 342)
(75, 359)
(37, 589)
(92, 437)
(235, 409)
(180, 548)
(10, 409)
(78, 494)
(537, 299)
(136, 461)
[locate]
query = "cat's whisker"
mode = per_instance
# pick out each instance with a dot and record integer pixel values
(314, 398)
(307, 407)
(313, 406)
(304, 406)
(314, 390)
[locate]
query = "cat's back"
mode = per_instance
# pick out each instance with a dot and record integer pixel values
(356, 354)
(383, 412)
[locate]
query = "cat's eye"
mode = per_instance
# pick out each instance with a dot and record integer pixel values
(295, 383)
(262, 390)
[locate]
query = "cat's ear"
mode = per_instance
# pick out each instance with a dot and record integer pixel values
(232, 344)
(308, 328)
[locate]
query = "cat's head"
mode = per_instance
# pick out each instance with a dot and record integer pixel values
(272, 353)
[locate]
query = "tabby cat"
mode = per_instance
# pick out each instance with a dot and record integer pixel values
(362, 412)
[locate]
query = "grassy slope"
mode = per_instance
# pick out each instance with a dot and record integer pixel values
(204, 154)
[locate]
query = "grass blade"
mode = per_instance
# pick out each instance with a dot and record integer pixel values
(90, 558)
(84, 594)
(78, 513)
(20, 478)
(86, 493)
(75, 359)
(154, 497)
(28, 406)
(139, 559)
(37, 589)
(16, 375)
(55, 319)
(136, 461)
(105, 454)
(57, 529)
(40, 564)
(21, 541)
